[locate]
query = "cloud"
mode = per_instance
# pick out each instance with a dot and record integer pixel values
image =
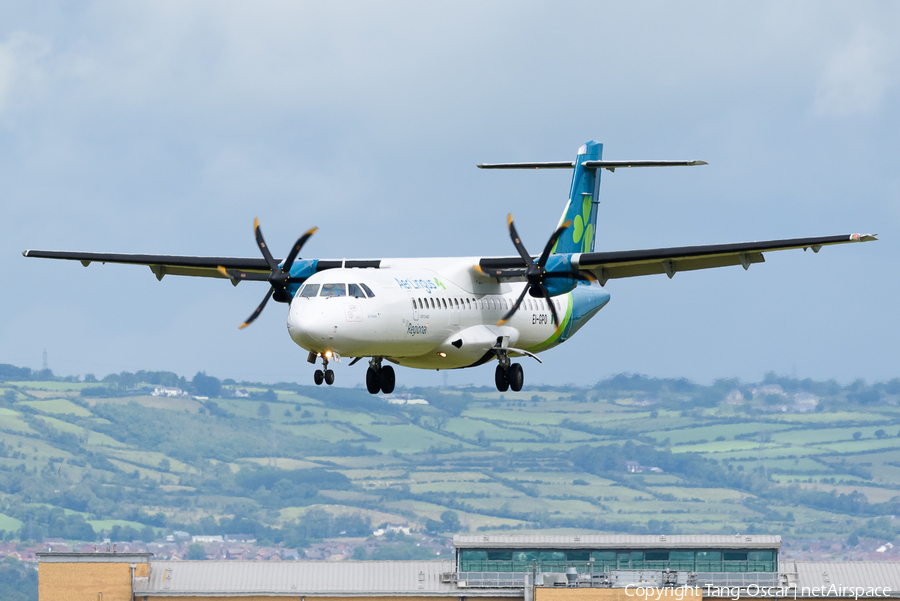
(857, 76)
(21, 68)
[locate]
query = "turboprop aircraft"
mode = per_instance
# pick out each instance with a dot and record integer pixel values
(456, 312)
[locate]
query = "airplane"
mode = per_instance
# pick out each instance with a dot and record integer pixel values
(457, 312)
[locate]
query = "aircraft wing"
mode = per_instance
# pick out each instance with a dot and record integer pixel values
(631, 263)
(161, 265)
(236, 269)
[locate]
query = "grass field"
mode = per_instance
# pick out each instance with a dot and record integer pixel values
(504, 461)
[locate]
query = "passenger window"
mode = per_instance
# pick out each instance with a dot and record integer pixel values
(444, 302)
(469, 301)
(414, 304)
(456, 300)
(355, 291)
(309, 290)
(331, 290)
(420, 304)
(431, 300)
(368, 290)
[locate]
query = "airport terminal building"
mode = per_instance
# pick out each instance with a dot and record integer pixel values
(488, 567)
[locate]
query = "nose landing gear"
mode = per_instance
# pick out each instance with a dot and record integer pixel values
(379, 378)
(320, 376)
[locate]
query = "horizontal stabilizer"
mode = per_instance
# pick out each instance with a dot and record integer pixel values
(611, 165)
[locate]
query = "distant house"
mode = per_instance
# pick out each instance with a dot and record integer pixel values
(240, 538)
(636, 468)
(178, 535)
(395, 528)
(404, 399)
(167, 391)
(207, 538)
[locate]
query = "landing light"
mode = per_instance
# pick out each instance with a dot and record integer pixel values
(328, 354)
(442, 354)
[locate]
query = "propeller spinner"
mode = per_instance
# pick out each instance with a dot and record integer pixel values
(535, 272)
(279, 278)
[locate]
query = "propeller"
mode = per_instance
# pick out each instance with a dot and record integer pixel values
(535, 272)
(280, 277)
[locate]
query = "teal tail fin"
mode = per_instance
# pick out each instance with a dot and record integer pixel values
(581, 209)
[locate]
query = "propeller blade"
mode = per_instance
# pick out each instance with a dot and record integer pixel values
(296, 249)
(515, 308)
(260, 241)
(542, 260)
(259, 309)
(517, 242)
(546, 294)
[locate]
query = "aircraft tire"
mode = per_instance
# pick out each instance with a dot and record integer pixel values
(516, 377)
(373, 382)
(318, 377)
(386, 379)
(501, 378)
(329, 377)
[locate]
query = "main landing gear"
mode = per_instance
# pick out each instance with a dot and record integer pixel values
(513, 377)
(379, 378)
(320, 376)
(507, 375)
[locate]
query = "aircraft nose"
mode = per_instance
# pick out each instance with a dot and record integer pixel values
(309, 325)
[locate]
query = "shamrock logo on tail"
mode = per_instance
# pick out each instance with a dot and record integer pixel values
(582, 230)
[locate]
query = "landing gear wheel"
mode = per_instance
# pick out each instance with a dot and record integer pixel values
(386, 379)
(516, 377)
(501, 378)
(318, 377)
(329, 377)
(373, 382)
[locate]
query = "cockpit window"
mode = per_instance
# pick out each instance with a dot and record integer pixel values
(329, 290)
(355, 291)
(368, 290)
(309, 290)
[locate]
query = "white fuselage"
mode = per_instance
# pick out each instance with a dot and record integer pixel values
(426, 313)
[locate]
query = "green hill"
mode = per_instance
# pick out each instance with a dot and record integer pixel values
(632, 454)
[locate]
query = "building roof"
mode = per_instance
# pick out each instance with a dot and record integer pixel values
(812, 574)
(316, 578)
(619, 541)
(94, 557)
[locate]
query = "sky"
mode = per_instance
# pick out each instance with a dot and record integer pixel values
(166, 127)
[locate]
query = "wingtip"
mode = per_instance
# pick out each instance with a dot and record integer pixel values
(478, 269)
(509, 219)
(501, 322)
(243, 325)
(699, 163)
(312, 231)
(256, 223)
(566, 224)
(223, 271)
(24, 253)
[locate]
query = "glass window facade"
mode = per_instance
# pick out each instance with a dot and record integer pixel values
(587, 560)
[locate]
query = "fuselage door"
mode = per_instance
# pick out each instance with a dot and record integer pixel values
(415, 306)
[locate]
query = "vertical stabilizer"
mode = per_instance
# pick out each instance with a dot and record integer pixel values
(581, 209)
